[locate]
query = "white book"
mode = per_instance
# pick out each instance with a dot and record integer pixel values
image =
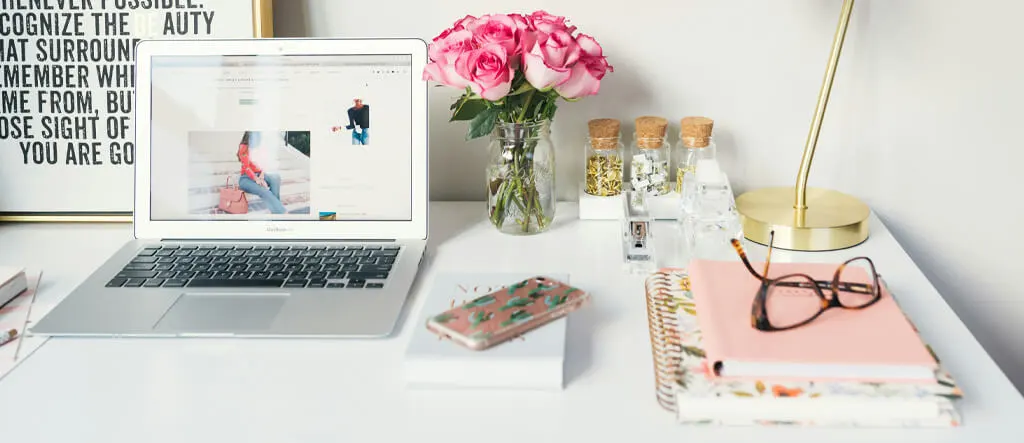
(533, 361)
(12, 282)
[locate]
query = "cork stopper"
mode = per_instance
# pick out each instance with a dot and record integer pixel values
(650, 131)
(604, 133)
(695, 132)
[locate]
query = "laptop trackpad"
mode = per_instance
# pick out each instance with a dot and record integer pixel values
(221, 313)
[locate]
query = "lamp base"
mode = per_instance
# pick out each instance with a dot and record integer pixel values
(832, 220)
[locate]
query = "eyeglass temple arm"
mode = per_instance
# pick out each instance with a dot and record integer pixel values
(743, 256)
(771, 242)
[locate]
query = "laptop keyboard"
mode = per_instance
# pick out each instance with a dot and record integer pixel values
(258, 266)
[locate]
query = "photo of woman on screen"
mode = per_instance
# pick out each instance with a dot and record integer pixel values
(252, 178)
(358, 122)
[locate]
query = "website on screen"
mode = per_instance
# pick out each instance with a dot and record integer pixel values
(312, 137)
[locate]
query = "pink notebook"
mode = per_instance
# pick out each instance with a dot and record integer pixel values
(877, 343)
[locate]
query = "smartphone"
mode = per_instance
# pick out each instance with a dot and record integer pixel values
(507, 313)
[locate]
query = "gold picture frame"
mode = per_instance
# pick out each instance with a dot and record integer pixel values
(262, 27)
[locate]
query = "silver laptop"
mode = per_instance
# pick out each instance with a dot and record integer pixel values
(280, 191)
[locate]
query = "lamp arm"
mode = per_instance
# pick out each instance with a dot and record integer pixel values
(819, 109)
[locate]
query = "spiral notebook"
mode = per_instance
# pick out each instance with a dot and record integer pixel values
(685, 386)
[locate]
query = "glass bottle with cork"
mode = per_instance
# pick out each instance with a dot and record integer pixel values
(694, 144)
(604, 156)
(649, 166)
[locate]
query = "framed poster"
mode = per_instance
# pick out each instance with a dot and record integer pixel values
(67, 90)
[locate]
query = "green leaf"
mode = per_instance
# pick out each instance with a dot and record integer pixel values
(468, 109)
(526, 86)
(553, 301)
(478, 317)
(444, 317)
(517, 286)
(693, 351)
(479, 301)
(483, 123)
(517, 317)
(516, 302)
(549, 113)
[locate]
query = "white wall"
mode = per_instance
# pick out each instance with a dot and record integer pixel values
(922, 124)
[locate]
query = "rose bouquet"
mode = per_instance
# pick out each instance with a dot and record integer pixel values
(513, 69)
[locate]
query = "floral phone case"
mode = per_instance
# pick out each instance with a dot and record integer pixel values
(508, 312)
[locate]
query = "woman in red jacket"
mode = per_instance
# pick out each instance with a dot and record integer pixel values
(253, 180)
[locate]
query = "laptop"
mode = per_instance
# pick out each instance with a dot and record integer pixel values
(280, 191)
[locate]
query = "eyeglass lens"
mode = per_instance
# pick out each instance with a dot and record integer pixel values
(858, 272)
(791, 300)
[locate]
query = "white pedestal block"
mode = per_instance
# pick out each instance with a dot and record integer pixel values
(592, 207)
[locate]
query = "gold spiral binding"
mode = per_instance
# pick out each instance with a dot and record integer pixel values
(666, 350)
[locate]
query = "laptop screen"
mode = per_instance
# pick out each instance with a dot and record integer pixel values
(281, 137)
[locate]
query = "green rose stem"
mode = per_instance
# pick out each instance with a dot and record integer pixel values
(519, 189)
(526, 105)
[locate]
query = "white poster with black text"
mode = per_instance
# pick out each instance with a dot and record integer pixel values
(66, 93)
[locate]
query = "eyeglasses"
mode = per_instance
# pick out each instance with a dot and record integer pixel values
(794, 300)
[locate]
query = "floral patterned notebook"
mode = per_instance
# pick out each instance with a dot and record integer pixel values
(685, 386)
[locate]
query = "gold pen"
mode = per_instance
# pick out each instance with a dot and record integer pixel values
(8, 337)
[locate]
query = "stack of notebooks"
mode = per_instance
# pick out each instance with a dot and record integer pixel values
(855, 368)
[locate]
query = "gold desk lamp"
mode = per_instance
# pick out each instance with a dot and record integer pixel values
(808, 219)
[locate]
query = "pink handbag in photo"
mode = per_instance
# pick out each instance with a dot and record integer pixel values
(232, 199)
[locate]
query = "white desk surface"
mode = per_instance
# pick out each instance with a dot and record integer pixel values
(258, 390)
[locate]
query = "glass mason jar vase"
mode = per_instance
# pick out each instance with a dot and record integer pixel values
(521, 177)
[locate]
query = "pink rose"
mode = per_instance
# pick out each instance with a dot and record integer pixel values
(589, 45)
(549, 62)
(488, 71)
(547, 23)
(496, 28)
(526, 32)
(585, 77)
(522, 23)
(463, 22)
(444, 34)
(443, 52)
(446, 47)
